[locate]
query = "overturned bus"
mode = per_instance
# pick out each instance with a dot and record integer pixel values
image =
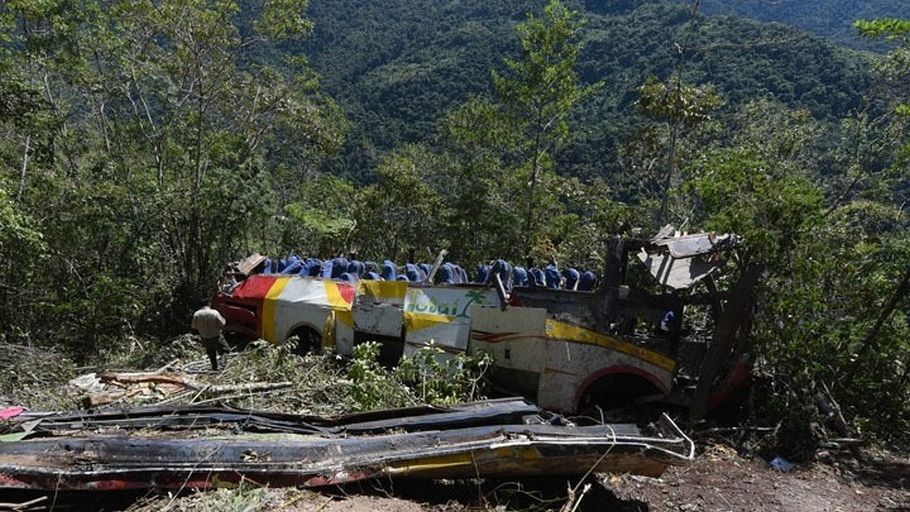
(621, 344)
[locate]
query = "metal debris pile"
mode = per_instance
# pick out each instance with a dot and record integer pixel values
(198, 447)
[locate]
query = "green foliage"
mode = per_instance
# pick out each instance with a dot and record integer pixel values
(540, 88)
(283, 19)
(420, 378)
(322, 219)
(403, 66)
(817, 311)
(675, 102)
(830, 18)
(485, 190)
(579, 236)
(147, 142)
(374, 387)
(22, 249)
(477, 188)
(319, 384)
(456, 379)
(39, 378)
(893, 73)
(752, 197)
(495, 165)
(832, 245)
(19, 239)
(403, 203)
(141, 143)
(891, 28)
(537, 93)
(680, 107)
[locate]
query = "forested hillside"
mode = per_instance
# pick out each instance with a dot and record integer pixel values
(829, 18)
(398, 67)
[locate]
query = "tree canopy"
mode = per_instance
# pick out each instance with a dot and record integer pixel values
(146, 143)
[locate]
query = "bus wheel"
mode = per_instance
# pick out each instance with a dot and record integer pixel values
(308, 340)
(620, 397)
(237, 341)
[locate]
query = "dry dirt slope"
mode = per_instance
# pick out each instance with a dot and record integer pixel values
(719, 481)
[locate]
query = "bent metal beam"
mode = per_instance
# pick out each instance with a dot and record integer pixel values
(178, 460)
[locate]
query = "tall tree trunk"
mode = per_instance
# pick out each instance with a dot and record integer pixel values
(532, 188)
(668, 179)
(22, 175)
(889, 308)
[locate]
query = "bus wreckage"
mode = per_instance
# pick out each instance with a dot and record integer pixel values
(624, 342)
(559, 339)
(200, 447)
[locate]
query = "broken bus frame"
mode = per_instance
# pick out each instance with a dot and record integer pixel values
(617, 346)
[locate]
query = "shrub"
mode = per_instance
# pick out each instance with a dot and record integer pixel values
(421, 378)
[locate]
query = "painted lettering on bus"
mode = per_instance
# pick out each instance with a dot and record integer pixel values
(455, 308)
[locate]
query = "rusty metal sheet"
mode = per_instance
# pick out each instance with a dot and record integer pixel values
(412, 419)
(250, 263)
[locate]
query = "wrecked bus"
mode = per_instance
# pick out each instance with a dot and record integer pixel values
(622, 344)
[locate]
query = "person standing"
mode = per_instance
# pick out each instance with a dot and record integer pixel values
(208, 323)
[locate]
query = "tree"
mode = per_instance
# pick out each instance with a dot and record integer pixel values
(893, 74)
(146, 150)
(321, 220)
(480, 191)
(537, 92)
(402, 211)
(678, 106)
(833, 266)
(22, 248)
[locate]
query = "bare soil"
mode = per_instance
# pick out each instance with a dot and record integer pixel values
(718, 481)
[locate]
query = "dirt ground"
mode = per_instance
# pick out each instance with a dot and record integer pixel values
(718, 481)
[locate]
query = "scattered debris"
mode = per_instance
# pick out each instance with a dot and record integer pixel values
(11, 412)
(781, 464)
(250, 263)
(680, 260)
(25, 505)
(112, 387)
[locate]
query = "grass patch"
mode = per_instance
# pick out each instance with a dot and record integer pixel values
(35, 378)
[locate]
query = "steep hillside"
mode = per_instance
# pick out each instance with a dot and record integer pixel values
(829, 18)
(398, 66)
